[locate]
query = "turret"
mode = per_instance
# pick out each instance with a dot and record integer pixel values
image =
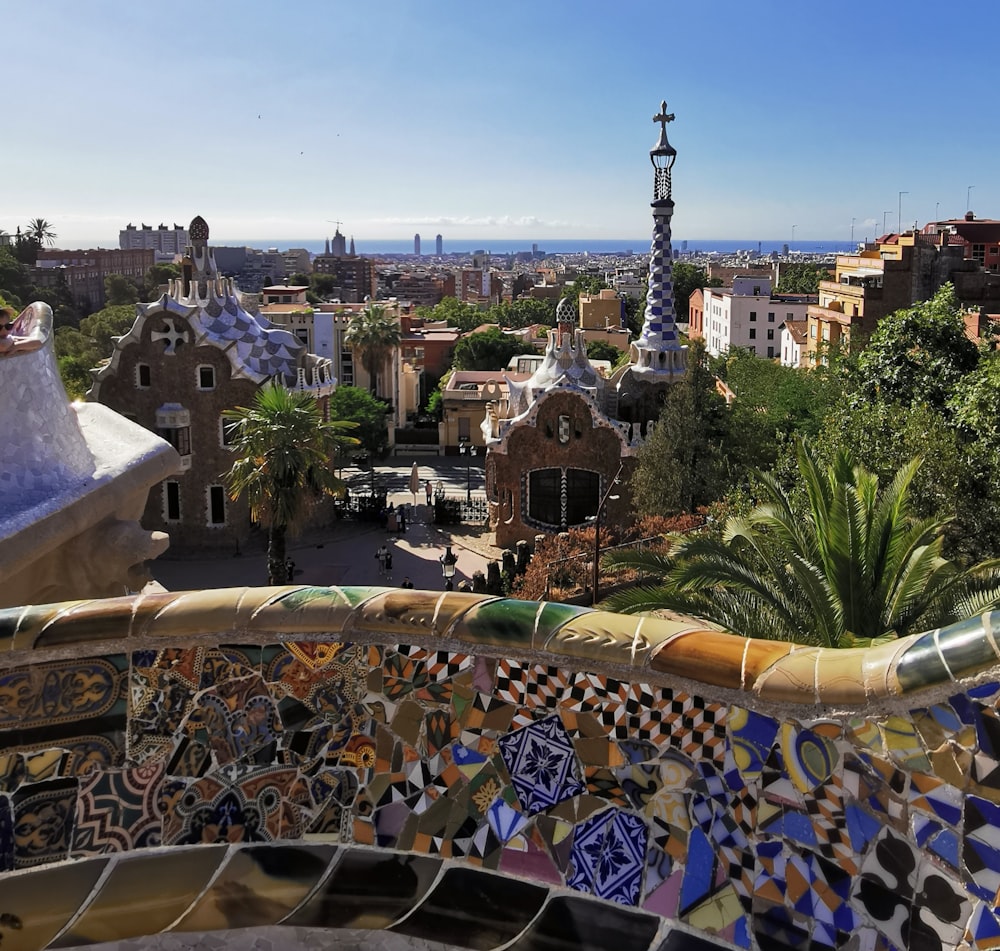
(657, 349)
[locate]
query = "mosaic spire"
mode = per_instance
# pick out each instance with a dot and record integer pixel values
(657, 349)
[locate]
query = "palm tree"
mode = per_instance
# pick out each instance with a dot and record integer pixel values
(853, 568)
(374, 334)
(40, 231)
(283, 450)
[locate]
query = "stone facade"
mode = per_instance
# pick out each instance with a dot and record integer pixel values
(188, 357)
(565, 433)
(84, 271)
(145, 379)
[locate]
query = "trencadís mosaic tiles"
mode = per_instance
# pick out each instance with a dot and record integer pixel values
(284, 755)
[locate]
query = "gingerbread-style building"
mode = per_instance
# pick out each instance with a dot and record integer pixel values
(555, 447)
(190, 355)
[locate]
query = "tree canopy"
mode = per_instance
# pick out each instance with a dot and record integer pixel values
(687, 278)
(773, 405)
(357, 405)
(80, 350)
(923, 388)
(283, 450)
(489, 350)
(682, 464)
(975, 401)
(602, 350)
(16, 285)
(917, 355)
(375, 334)
(850, 566)
(119, 289)
(802, 277)
(156, 277)
(40, 231)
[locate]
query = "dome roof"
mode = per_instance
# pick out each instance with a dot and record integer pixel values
(198, 229)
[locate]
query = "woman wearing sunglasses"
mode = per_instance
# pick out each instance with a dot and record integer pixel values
(20, 334)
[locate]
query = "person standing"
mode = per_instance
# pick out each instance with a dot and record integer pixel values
(428, 491)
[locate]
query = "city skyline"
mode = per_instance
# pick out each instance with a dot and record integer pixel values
(392, 119)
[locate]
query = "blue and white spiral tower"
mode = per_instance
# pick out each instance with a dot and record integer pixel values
(657, 352)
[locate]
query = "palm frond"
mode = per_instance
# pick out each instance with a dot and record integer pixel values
(853, 567)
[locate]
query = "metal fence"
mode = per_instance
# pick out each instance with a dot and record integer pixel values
(455, 509)
(577, 571)
(448, 509)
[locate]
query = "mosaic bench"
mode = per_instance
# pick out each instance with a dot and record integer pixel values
(490, 773)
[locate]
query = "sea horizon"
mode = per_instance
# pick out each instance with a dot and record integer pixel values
(504, 246)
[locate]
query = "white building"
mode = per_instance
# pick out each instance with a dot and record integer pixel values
(749, 315)
(163, 239)
(793, 342)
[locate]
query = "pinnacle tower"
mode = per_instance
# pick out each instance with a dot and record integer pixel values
(657, 350)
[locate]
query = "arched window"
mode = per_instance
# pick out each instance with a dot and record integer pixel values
(561, 498)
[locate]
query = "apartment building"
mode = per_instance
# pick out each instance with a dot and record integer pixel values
(355, 277)
(84, 271)
(886, 276)
(163, 239)
(748, 315)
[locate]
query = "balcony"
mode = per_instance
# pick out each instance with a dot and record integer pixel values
(463, 396)
(831, 315)
(856, 288)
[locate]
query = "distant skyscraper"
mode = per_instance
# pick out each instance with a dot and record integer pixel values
(438, 246)
(416, 245)
(351, 252)
(338, 247)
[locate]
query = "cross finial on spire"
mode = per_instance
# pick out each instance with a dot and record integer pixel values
(664, 117)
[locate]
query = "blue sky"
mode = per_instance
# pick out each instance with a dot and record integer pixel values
(515, 119)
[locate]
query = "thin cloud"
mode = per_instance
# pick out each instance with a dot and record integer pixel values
(488, 221)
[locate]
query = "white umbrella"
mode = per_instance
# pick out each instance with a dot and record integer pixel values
(415, 481)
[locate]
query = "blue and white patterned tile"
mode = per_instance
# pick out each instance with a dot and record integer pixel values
(608, 856)
(543, 766)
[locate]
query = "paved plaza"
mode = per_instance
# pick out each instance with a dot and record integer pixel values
(344, 554)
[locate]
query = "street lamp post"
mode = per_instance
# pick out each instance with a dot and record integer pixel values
(899, 211)
(448, 562)
(885, 214)
(467, 449)
(597, 533)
